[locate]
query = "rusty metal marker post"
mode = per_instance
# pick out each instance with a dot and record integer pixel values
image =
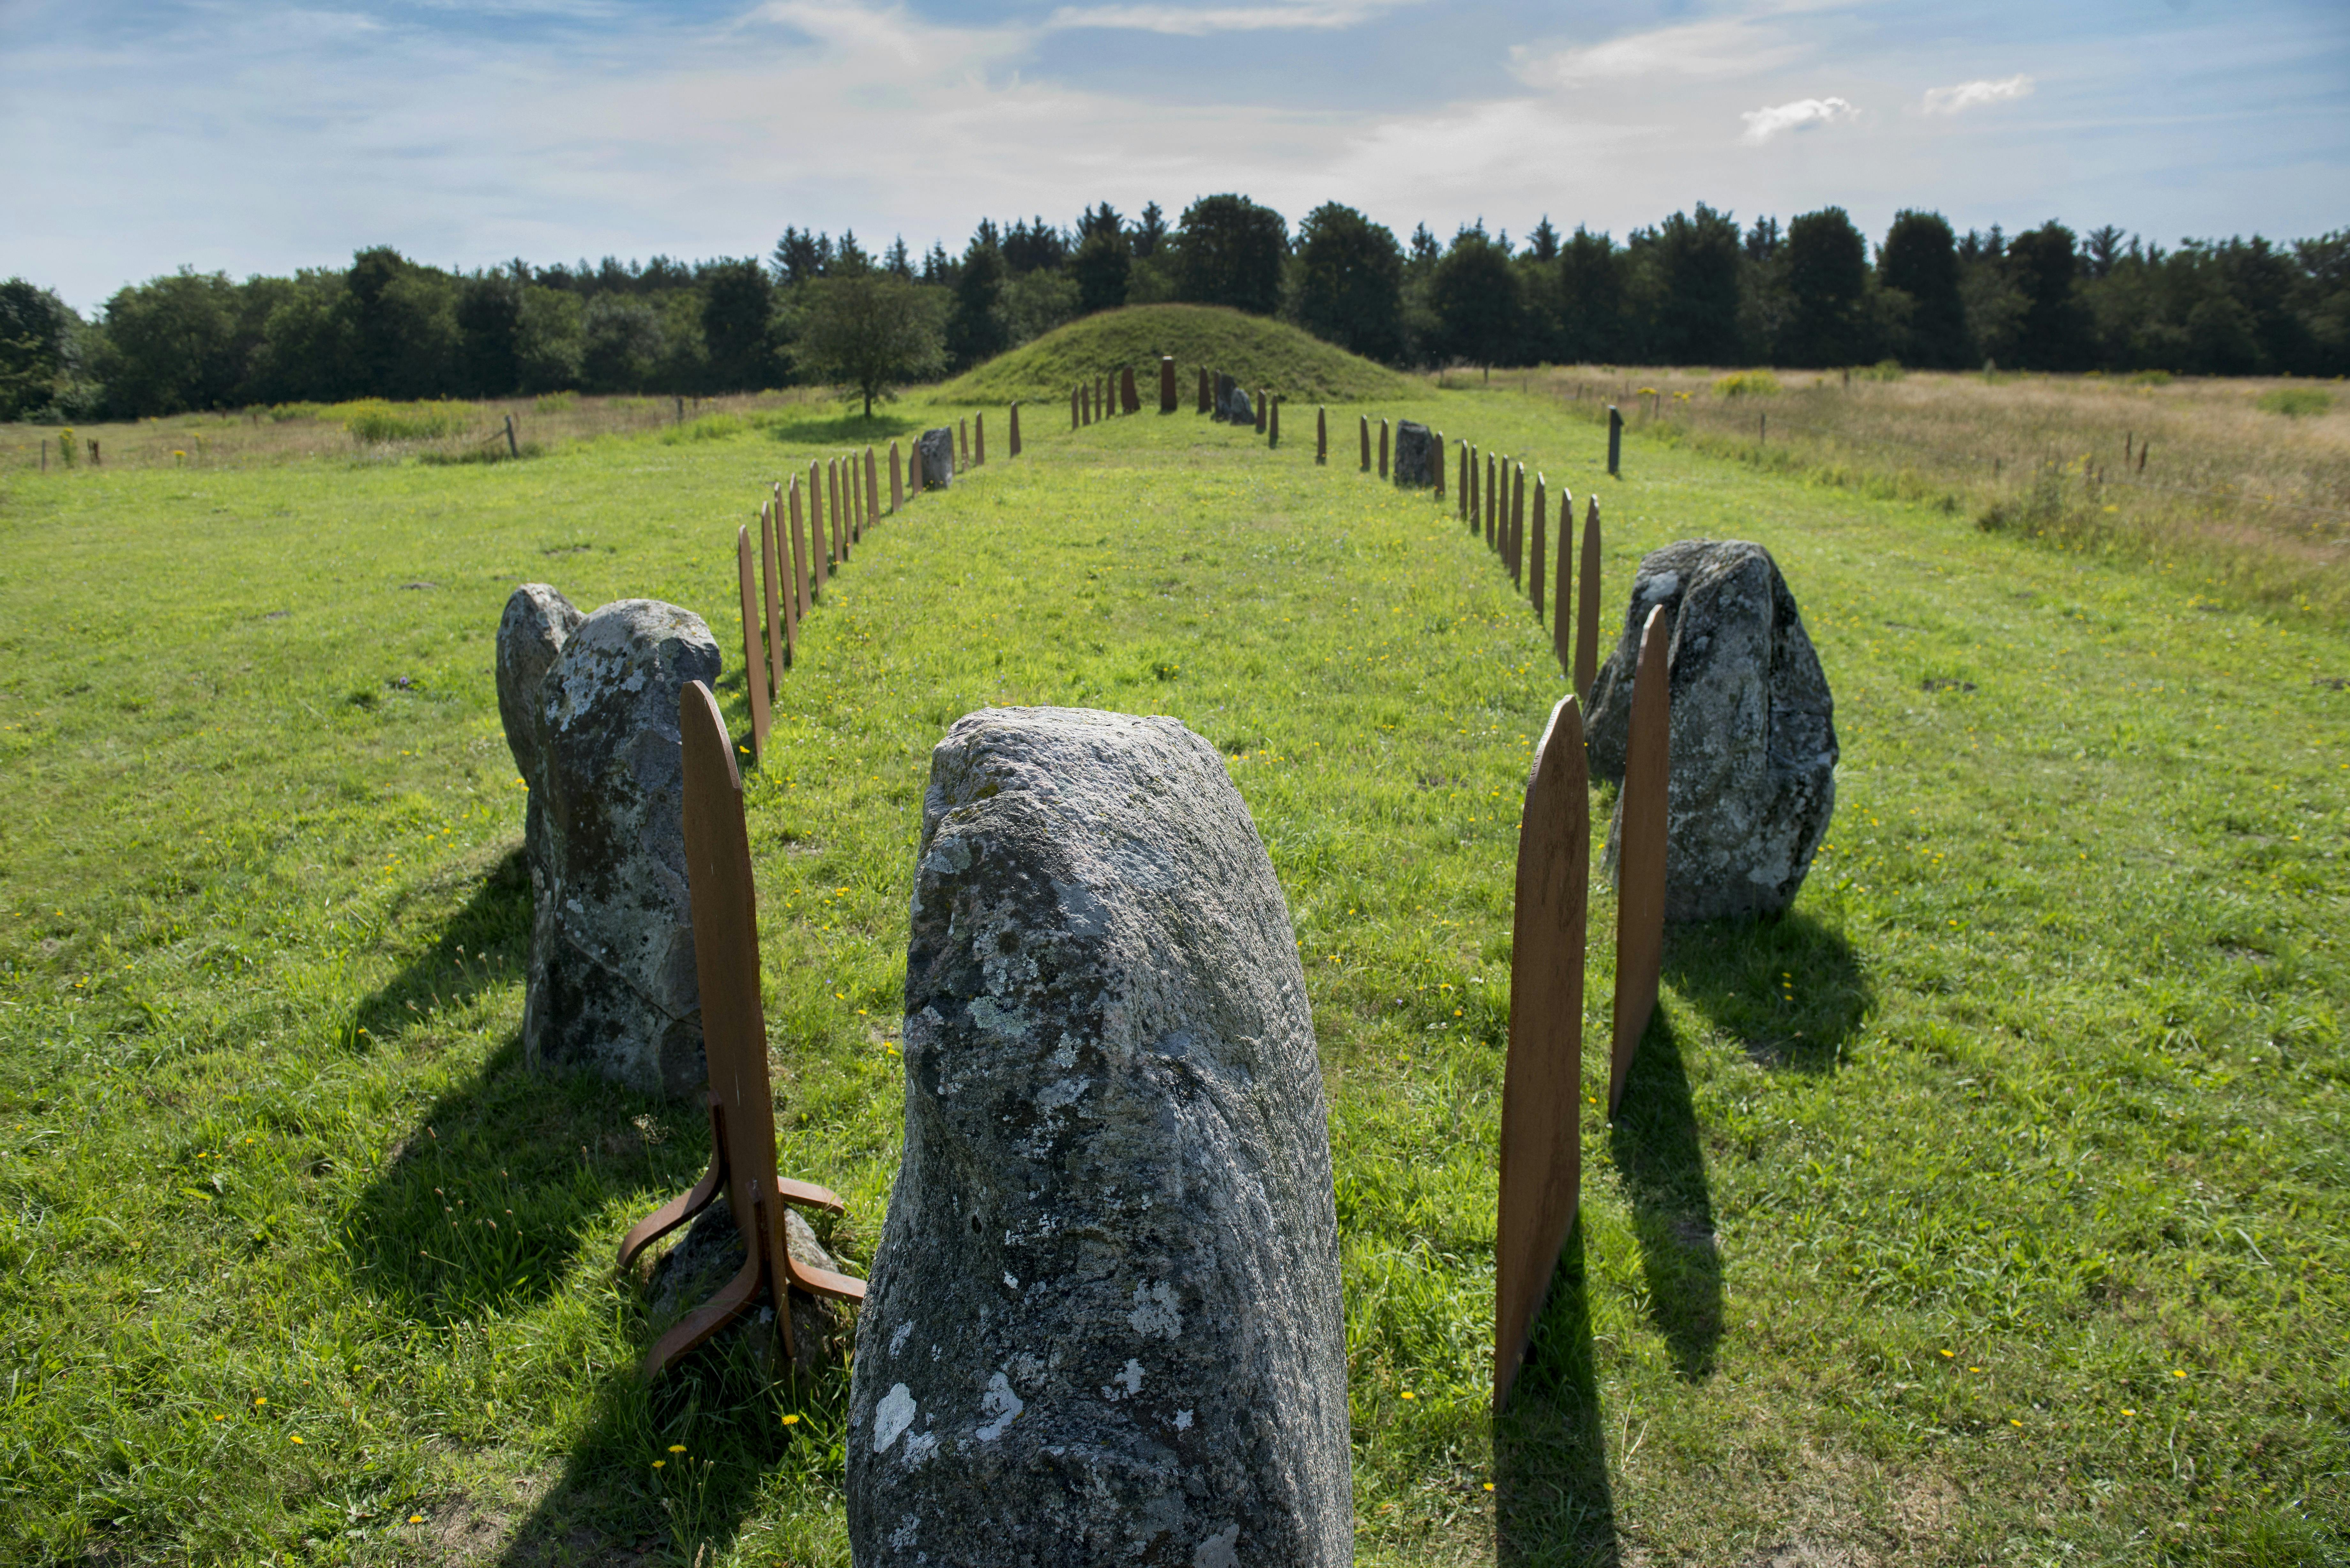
(1541, 1083)
(754, 663)
(1640, 854)
(734, 1036)
(1586, 604)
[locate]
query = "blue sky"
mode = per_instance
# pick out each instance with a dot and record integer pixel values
(270, 137)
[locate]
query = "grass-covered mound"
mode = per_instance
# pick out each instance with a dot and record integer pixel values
(1261, 352)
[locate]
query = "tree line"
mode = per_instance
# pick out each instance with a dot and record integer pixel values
(1695, 288)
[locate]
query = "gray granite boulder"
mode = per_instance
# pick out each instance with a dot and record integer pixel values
(936, 452)
(532, 631)
(1754, 728)
(1416, 457)
(1233, 404)
(611, 986)
(1104, 1320)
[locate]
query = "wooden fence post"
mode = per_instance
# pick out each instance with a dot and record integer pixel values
(872, 487)
(1586, 604)
(1011, 416)
(896, 480)
(1490, 504)
(978, 440)
(1541, 1174)
(1517, 524)
(819, 542)
(1461, 486)
(780, 620)
(754, 663)
(853, 498)
(1167, 383)
(1562, 598)
(1641, 811)
(1536, 558)
(1614, 439)
(1321, 435)
(1436, 451)
(801, 590)
(1365, 424)
(1383, 447)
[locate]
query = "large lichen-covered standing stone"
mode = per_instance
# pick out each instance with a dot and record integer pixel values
(611, 985)
(935, 451)
(1417, 461)
(1233, 404)
(1754, 743)
(532, 631)
(1104, 1321)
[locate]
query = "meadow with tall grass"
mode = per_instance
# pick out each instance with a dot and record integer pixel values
(1992, 1206)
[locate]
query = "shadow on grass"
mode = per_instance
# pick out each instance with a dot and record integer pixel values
(1552, 1500)
(1660, 1157)
(1790, 990)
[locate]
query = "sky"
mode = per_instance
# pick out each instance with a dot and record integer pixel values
(269, 136)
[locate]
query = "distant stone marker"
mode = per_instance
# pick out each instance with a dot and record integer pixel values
(1383, 447)
(1232, 406)
(1129, 399)
(872, 487)
(1273, 423)
(897, 470)
(1104, 1316)
(1542, 1099)
(1363, 426)
(1166, 383)
(1517, 524)
(716, 862)
(1562, 598)
(1464, 489)
(1264, 399)
(754, 661)
(611, 984)
(935, 452)
(978, 440)
(1637, 851)
(819, 536)
(1418, 456)
(1013, 415)
(1321, 435)
(1614, 438)
(963, 445)
(1492, 511)
(1754, 746)
(803, 561)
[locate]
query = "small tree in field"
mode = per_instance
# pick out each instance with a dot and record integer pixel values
(868, 334)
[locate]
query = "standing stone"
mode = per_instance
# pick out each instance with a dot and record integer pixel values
(1753, 750)
(1263, 398)
(978, 440)
(1013, 417)
(1232, 406)
(934, 453)
(1166, 383)
(1104, 1322)
(611, 984)
(1418, 460)
(898, 469)
(1383, 449)
(1273, 423)
(1321, 435)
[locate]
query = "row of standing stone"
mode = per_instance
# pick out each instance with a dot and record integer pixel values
(809, 533)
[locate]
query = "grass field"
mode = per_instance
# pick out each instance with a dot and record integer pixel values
(1995, 1206)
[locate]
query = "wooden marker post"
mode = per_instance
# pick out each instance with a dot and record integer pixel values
(1436, 451)
(1206, 399)
(1614, 439)
(1073, 421)
(1537, 559)
(780, 620)
(1541, 1078)
(853, 498)
(1273, 424)
(1129, 399)
(754, 663)
(1586, 604)
(1461, 486)
(724, 901)
(1490, 504)
(833, 518)
(1012, 419)
(1517, 524)
(1640, 853)
(1264, 400)
(1167, 383)
(963, 445)
(978, 440)
(897, 480)
(801, 562)
(1321, 436)
(819, 542)
(1562, 598)
(1383, 449)
(1365, 422)
(872, 487)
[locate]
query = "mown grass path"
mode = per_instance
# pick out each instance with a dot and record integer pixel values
(1992, 1205)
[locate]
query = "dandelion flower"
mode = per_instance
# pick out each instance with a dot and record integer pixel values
(2130, 1412)
(677, 1448)
(791, 1420)
(294, 1438)
(659, 1463)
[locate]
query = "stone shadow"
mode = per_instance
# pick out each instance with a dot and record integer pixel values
(847, 429)
(1659, 1156)
(1791, 990)
(1551, 1500)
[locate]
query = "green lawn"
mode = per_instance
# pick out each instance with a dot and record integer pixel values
(1995, 1206)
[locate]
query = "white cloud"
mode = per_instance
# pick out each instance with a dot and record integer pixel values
(1195, 21)
(1735, 46)
(1973, 95)
(1763, 124)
